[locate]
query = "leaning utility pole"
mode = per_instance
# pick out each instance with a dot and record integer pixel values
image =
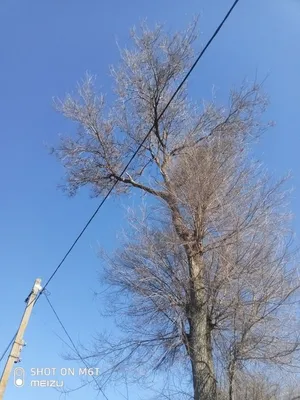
(18, 341)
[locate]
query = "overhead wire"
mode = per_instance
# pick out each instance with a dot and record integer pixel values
(72, 343)
(8, 347)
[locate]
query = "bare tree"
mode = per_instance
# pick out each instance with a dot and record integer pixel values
(204, 287)
(258, 387)
(262, 386)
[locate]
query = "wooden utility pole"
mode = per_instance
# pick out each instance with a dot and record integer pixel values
(18, 342)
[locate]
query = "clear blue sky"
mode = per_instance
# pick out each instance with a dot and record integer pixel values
(45, 47)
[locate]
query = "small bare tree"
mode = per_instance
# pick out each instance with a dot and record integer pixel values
(206, 286)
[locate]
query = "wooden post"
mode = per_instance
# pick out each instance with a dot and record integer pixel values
(19, 343)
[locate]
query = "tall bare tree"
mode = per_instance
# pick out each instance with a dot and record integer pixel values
(206, 286)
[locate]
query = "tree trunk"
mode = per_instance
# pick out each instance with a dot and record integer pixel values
(231, 374)
(204, 381)
(199, 342)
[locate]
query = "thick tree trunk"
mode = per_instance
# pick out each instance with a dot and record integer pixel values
(199, 342)
(200, 337)
(231, 374)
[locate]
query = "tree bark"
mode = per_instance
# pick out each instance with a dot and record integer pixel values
(231, 374)
(199, 338)
(204, 381)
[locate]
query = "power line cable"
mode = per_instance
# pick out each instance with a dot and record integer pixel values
(8, 347)
(135, 153)
(73, 344)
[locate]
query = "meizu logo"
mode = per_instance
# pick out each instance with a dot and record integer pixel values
(45, 383)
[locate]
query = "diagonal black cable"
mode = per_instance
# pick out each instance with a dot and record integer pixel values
(8, 347)
(73, 344)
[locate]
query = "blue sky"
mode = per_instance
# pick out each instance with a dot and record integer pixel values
(45, 48)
